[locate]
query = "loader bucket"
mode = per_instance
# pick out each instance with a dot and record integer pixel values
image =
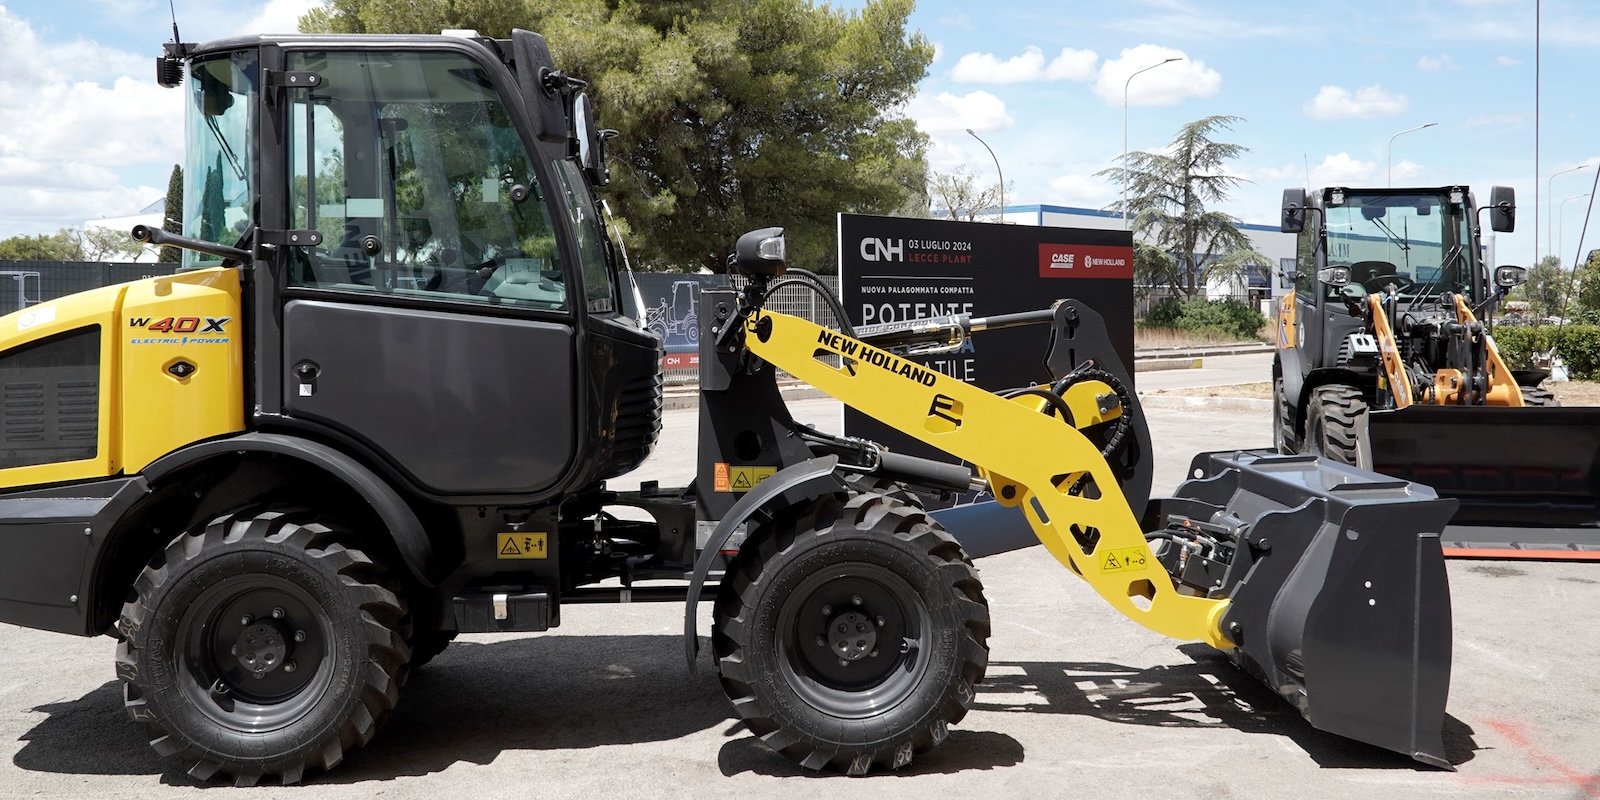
(1339, 597)
(1525, 477)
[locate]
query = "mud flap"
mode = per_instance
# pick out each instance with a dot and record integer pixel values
(1339, 597)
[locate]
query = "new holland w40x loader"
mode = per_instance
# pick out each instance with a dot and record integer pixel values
(1385, 361)
(380, 407)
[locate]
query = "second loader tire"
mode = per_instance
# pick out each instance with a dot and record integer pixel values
(260, 647)
(1538, 397)
(1336, 426)
(426, 645)
(1282, 425)
(850, 634)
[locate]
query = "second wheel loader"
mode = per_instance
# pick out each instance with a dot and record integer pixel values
(381, 405)
(1385, 360)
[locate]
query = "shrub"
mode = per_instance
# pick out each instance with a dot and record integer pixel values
(1225, 317)
(1578, 346)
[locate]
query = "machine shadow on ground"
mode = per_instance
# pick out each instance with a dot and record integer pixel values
(1209, 693)
(478, 700)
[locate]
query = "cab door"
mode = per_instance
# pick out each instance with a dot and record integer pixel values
(433, 325)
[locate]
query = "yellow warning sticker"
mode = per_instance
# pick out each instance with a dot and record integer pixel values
(520, 545)
(1123, 558)
(729, 478)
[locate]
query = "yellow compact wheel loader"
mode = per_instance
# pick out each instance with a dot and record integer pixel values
(380, 405)
(1385, 361)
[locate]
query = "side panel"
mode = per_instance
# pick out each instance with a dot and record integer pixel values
(463, 404)
(182, 363)
(60, 406)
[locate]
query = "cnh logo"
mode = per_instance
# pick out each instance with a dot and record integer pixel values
(883, 249)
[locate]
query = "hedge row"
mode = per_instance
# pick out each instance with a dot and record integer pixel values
(1578, 346)
(1226, 317)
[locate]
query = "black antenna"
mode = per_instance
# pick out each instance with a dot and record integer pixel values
(175, 38)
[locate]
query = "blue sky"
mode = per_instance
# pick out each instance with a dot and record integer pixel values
(1322, 88)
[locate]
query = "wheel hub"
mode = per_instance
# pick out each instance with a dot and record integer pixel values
(262, 648)
(852, 635)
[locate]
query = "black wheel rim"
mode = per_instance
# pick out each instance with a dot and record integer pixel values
(854, 640)
(254, 652)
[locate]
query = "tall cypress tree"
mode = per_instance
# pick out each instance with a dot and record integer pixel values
(172, 217)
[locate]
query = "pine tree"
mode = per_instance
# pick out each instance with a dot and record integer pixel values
(172, 217)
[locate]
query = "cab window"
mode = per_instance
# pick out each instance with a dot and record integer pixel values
(410, 167)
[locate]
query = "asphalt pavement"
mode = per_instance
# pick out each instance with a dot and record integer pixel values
(1079, 702)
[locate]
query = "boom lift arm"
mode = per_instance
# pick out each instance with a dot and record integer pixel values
(1279, 562)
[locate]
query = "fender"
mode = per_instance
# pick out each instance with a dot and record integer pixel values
(789, 486)
(1290, 368)
(409, 537)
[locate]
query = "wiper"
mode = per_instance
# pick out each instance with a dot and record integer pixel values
(1389, 232)
(233, 160)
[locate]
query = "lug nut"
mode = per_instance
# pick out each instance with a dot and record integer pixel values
(289, 666)
(277, 613)
(856, 600)
(881, 621)
(246, 619)
(822, 641)
(827, 611)
(299, 636)
(843, 663)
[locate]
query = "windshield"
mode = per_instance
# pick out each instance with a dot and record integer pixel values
(1418, 243)
(217, 175)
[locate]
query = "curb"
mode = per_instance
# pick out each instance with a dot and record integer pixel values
(1166, 363)
(1205, 403)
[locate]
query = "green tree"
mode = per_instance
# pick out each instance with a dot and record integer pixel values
(733, 115)
(59, 246)
(1151, 268)
(172, 217)
(1546, 288)
(1168, 194)
(106, 244)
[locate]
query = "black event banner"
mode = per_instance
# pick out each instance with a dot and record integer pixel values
(896, 268)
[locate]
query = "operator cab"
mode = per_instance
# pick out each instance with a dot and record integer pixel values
(436, 280)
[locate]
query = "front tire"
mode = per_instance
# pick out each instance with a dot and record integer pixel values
(258, 647)
(1283, 440)
(1336, 426)
(851, 633)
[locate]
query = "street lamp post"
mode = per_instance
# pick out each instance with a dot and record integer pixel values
(997, 172)
(1125, 85)
(1391, 149)
(1561, 229)
(1549, 197)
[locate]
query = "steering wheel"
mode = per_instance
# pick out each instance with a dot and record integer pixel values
(1378, 282)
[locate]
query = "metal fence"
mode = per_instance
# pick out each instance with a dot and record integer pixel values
(27, 283)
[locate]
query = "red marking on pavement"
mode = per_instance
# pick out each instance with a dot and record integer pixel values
(1527, 555)
(1587, 783)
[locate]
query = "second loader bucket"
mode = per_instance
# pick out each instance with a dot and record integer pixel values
(1339, 597)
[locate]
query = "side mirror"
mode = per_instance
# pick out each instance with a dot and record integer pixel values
(1509, 276)
(1294, 211)
(589, 141)
(760, 253)
(1502, 209)
(1337, 277)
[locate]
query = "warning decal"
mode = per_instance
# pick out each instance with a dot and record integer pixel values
(520, 545)
(728, 478)
(1124, 558)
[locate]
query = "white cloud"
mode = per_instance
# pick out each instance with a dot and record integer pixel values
(279, 16)
(1506, 61)
(1431, 64)
(71, 121)
(1337, 102)
(1340, 169)
(1081, 191)
(1166, 85)
(1070, 65)
(946, 113)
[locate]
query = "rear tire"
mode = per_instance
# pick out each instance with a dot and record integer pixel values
(1336, 426)
(851, 634)
(428, 644)
(1539, 397)
(258, 647)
